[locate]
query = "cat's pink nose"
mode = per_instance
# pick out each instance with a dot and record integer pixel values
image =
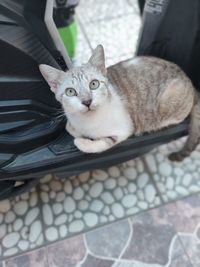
(87, 103)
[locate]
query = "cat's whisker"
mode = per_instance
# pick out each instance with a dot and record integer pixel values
(59, 115)
(59, 112)
(60, 109)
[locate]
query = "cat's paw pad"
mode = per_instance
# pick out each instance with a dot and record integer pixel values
(176, 156)
(83, 144)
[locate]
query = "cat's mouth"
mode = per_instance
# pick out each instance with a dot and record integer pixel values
(90, 109)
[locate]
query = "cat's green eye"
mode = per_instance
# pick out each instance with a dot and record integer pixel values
(94, 84)
(70, 92)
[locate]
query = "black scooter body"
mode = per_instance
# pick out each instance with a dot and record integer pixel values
(33, 141)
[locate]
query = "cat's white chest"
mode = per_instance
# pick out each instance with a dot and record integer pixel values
(111, 119)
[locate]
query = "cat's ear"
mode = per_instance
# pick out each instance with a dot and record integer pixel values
(98, 59)
(52, 76)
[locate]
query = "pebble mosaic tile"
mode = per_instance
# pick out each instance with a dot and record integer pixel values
(95, 198)
(21, 227)
(61, 208)
(174, 179)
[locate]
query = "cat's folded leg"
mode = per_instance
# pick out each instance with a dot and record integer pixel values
(96, 146)
(71, 130)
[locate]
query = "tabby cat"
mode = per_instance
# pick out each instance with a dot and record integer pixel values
(104, 106)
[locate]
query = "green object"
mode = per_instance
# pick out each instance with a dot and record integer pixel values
(69, 37)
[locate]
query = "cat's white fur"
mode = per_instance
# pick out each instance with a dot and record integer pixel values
(107, 121)
(110, 120)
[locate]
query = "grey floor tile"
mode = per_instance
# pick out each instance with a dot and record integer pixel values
(150, 240)
(95, 10)
(187, 222)
(155, 241)
(152, 236)
(185, 214)
(118, 36)
(92, 261)
(103, 242)
(36, 258)
(134, 264)
(191, 244)
(174, 179)
(177, 254)
(182, 261)
(66, 253)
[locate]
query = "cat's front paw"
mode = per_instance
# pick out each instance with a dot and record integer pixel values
(85, 145)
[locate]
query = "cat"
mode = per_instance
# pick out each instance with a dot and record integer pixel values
(105, 106)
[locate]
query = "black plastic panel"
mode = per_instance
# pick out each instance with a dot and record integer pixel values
(26, 124)
(62, 156)
(28, 108)
(171, 31)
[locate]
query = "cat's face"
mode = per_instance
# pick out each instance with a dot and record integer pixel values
(81, 89)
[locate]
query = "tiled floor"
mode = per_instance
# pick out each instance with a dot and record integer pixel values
(162, 236)
(168, 236)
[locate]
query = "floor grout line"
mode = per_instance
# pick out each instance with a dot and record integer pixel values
(46, 255)
(178, 237)
(126, 245)
(79, 264)
(170, 259)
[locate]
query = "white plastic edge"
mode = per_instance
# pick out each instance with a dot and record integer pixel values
(48, 19)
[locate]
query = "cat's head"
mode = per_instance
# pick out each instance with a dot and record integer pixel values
(80, 89)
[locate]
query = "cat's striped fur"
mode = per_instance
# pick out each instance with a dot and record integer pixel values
(157, 94)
